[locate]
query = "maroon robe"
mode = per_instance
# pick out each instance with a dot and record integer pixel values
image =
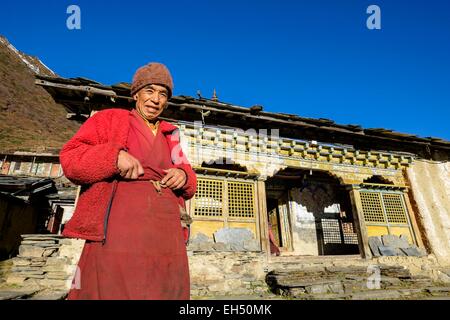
(144, 255)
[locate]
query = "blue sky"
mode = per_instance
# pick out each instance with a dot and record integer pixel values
(311, 58)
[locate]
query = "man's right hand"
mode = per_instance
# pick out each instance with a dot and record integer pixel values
(129, 166)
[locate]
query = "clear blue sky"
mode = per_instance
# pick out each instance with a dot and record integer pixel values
(311, 58)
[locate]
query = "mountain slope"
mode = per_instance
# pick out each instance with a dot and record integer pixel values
(30, 120)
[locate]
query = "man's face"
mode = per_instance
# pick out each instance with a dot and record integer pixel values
(151, 100)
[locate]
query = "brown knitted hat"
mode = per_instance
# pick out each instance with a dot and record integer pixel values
(152, 73)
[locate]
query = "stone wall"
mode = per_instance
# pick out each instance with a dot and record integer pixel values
(227, 273)
(49, 262)
(430, 183)
(45, 261)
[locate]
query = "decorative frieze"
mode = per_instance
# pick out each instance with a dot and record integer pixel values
(268, 154)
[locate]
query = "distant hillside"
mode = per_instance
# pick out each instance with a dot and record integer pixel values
(29, 118)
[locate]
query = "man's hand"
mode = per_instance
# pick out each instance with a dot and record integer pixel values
(174, 179)
(129, 166)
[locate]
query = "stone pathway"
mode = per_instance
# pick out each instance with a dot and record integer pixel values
(382, 282)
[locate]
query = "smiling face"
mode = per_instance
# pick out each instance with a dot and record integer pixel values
(151, 101)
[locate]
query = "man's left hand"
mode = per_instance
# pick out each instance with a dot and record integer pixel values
(174, 179)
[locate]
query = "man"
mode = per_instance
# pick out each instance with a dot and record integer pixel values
(134, 180)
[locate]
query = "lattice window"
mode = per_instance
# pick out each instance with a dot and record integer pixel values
(372, 207)
(224, 198)
(209, 198)
(331, 231)
(350, 236)
(241, 200)
(394, 208)
(385, 213)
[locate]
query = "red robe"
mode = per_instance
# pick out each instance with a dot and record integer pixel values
(143, 255)
(89, 159)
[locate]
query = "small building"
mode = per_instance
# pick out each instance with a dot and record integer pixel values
(23, 209)
(30, 164)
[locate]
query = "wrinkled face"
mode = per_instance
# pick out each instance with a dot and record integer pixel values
(151, 100)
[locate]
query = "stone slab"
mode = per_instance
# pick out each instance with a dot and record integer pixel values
(15, 294)
(390, 240)
(376, 295)
(50, 295)
(235, 237)
(414, 252)
(388, 251)
(374, 244)
(200, 238)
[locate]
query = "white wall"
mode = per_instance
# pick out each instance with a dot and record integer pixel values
(430, 183)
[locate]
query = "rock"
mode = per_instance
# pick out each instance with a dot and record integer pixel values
(73, 251)
(390, 240)
(55, 283)
(17, 261)
(30, 251)
(200, 237)
(318, 288)
(57, 261)
(376, 294)
(55, 268)
(337, 287)
(25, 271)
(57, 275)
(193, 247)
(15, 279)
(352, 270)
(204, 246)
(38, 242)
(35, 276)
(40, 236)
(234, 236)
(37, 264)
(413, 251)
(50, 295)
(374, 244)
(220, 246)
(297, 291)
(31, 284)
(404, 242)
(251, 245)
(387, 251)
(66, 242)
(46, 245)
(49, 252)
(15, 294)
(239, 246)
(438, 289)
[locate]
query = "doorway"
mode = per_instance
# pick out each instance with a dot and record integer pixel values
(310, 214)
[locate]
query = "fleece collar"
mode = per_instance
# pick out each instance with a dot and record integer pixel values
(166, 127)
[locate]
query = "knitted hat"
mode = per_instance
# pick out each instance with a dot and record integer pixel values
(152, 73)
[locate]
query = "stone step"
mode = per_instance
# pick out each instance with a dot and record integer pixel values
(438, 289)
(334, 281)
(298, 269)
(16, 294)
(376, 295)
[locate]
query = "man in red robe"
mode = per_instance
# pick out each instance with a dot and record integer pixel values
(134, 180)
